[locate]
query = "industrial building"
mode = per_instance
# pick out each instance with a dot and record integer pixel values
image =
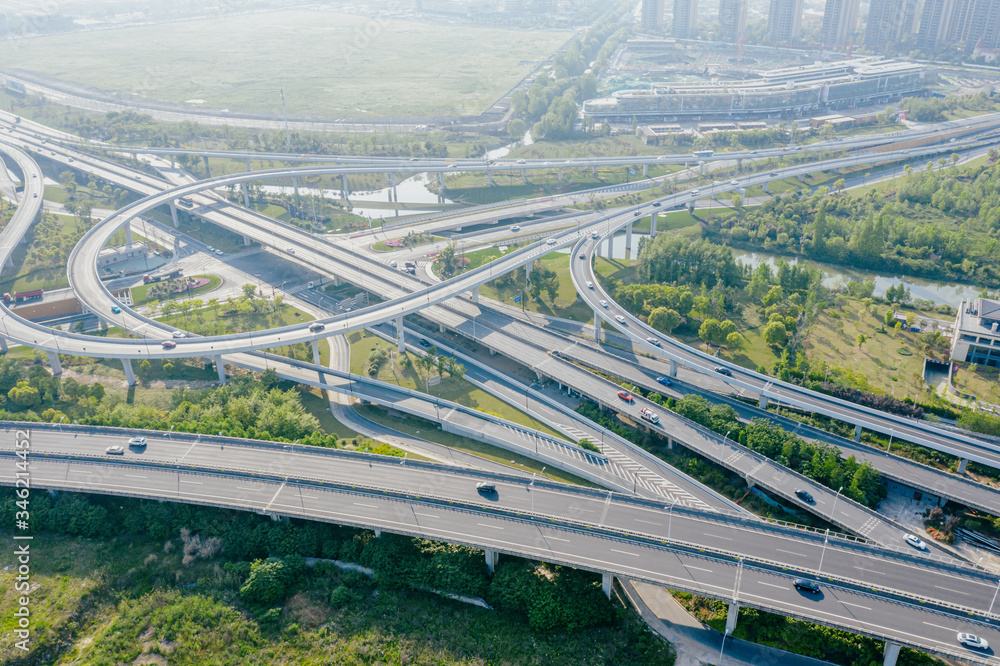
(791, 92)
(977, 333)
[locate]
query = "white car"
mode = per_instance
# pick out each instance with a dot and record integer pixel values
(734, 182)
(211, 249)
(916, 542)
(219, 252)
(515, 228)
(590, 285)
(653, 341)
(620, 319)
(973, 641)
(291, 250)
(137, 441)
(695, 191)
(179, 334)
(604, 303)
(551, 241)
(115, 450)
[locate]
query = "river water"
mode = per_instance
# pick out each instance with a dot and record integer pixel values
(941, 292)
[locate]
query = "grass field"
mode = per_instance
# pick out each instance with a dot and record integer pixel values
(332, 65)
(139, 293)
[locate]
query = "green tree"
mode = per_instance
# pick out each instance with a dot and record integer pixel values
(775, 334)
(736, 342)
(710, 331)
(516, 129)
(266, 583)
(774, 296)
(664, 319)
(890, 317)
(97, 392)
(24, 395)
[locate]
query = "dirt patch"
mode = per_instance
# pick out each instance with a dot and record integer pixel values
(308, 609)
(151, 659)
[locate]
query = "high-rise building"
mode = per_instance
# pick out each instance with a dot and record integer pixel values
(784, 20)
(732, 20)
(935, 22)
(840, 20)
(652, 15)
(685, 25)
(972, 21)
(889, 22)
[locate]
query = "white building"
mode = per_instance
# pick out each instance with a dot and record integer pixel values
(977, 333)
(110, 256)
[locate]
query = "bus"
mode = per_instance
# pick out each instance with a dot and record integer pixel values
(703, 153)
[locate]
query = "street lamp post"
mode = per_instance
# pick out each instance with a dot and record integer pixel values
(406, 482)
(670, 517)
(990, 611)
(833, 512)
(826, 540)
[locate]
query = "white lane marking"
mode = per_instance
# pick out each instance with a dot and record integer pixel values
(135, 476)
(625, 552)
(495, 527)
(848, 603)
(197, 483)
(939, 626)
(367, 506)
(948, 589)
(549, 536)
(648, 522)
(688, 566)
(880, 573)
(718, 536)
(790, 552)
(780, 587)
(255, 490)
(425, 515)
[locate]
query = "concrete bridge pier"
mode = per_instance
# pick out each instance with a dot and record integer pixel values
(645, 170)
(593, 171)
(343, 187)
(378, 532)
(652, 225)
(762, 403)
(628, 236)
(400, 336)
(524, 176)
(962, 464)
(559, 171)
(528, 267)
(441, 180)
(221, 369)
(597, 326)
(173, 215)
(489, 177)
(395, 194)
(208, 168)
(54, 362)
(475, 295)
(8, 262)
(3, 345)
(607, 580)
(129, 373)
(440, 328)
(492, 559)
(128, 233)
(857, 433)
(702, 166)
(315, 350)
(336, 280)
(890, 654)
(764, 187)
(246, 240)
(732, 616)
(673, 368)
(739, 164)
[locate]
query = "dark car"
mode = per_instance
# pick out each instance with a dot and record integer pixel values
(723, 371)
(486, 488)
(806, 585)
(804, 495)
(423, 342)
(665, 381)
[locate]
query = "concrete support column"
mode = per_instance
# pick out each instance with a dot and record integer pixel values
(489, 177)
(492, 559)
(208, 168)
(702, 166)
(763, 401)
(400, 341)
(890, 654)
(103, 323)
(475, 295)
(171, 161)
(3, 345)
(343, 186)
(593, 171)
(524, 176)
(652, 225)
(128, 233)
(559, 171)
(173, 215)
(129, 373)
(731, 617)
(395, 194)
(673, 368)
(645, 170)
(764, 187)
(336, 280)
(378, 532)
(246, 195)
(528, 267)
(8, 262)
(628, 236)
(597, 326)
(857, 433)
(221, 369)
(315, 348)
(962, 464)
(246, 240)
(607, 580)
(441, 180)
(56, 365)
(440, 328)
(739, 164)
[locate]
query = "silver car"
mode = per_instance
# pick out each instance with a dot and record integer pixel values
(115, 450)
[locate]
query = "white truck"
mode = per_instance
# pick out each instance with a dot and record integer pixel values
(649, 415)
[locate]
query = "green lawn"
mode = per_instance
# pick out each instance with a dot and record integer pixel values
(344, 65)
(36, 266)
(139, 293)
(567, 304)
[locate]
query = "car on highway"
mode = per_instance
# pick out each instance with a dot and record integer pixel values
(583, 256)
(515, 228)
(521, 162)
(316, 327)
(625, 395)
(637, 213)
(71, 159)
(115, 309)
(590, 285)
(665, 381)
(734, 182)
(916, 542)
(620, 319)
(393, 263)
(137, 442)
(973, 641)
(115, 450)
(695, 191)
(219, 252)
(485, 487)
(595, 235)
(168, 344)
(604, 303)
(653, 341)
(723, 371)
(179, 334)
(804, 495)
(290, 250)
(211, 249)
(806, 585)
(657, 203)
(773, 173)
(35, 195)
(423, 342)
(551, 241)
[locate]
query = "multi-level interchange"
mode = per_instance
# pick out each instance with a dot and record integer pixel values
(653, 524)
